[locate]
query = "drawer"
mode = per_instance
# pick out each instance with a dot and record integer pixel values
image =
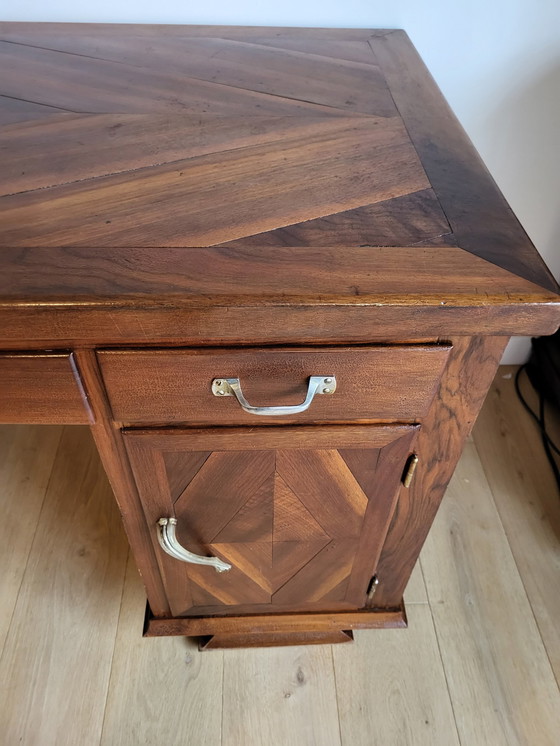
(393, 383)
(41, 388)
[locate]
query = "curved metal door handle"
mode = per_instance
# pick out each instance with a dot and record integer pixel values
(232, 387)
(169, 543)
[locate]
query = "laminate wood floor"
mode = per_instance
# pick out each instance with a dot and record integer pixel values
(479, 664)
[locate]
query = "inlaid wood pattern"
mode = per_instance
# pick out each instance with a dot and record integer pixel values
(300, 520)
(404, 220)
(258, 189)
(181, 159)
(283, 73)
(236, 506)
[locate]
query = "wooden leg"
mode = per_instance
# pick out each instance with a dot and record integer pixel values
(470, 371)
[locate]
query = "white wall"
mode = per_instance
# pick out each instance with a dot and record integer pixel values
(497, 62)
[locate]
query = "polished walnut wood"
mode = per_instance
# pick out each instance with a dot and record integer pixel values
(173, 386)
(265, 624)
(179, 204)
(478, 214)
(317, 148)
(42, 388)
(271, 639)
(299, 513)
(472, 366)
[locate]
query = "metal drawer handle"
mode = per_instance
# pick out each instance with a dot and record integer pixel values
(232, 387)
(169, 543)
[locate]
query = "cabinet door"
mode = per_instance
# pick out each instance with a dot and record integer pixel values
(300, 513)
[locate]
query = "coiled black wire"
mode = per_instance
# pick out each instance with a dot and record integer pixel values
(549, 445)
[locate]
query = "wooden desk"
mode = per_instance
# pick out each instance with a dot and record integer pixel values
(199, 223)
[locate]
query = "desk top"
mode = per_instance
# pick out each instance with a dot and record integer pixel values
(175, 168)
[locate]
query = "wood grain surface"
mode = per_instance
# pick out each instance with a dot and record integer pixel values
(42, 389)
(497, 666)
(67, 606)
(509, 444)
(300, 513)
(291, 686)
(464, 384)
(274, 639)
(26, 463)
(259, 151)
(396, 384)
(111, 450)
(477, 667)
(158, 690)
(219, 295)
(197, 186)
(381, 687)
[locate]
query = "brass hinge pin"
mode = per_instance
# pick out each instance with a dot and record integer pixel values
(410, 468)
(372, 587)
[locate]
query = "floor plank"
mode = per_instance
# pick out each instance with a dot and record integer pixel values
(383, 692)
(526, 496)
(64, 658)
(55, 668)
(280, 696)
(415, 592)
(502, 686)
(162, 690)
(26, 458)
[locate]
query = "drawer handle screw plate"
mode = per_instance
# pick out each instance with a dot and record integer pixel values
(232, 387)
(169, 543)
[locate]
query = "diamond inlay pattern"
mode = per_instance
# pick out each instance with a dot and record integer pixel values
(284, 519)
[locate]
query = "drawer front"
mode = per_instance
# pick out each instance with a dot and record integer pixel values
(175, 386)
(41, 389)
(295, 517)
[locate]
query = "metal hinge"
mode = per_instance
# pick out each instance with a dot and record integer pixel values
(409, 470)
(372, 587)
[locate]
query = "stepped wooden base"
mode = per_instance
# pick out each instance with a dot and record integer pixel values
(273, 639)
(267, 630)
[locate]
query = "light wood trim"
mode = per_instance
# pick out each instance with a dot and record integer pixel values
(500, 679)
(402, 673)
(67, 608)
(26, 462)
(162, 691)
(526, 496)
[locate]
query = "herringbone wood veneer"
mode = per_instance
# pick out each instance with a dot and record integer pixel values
(302, 525)
(169, 161)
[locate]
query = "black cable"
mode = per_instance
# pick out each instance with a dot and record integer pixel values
(537, 418)
(548, 444)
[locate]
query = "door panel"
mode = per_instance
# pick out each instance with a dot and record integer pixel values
(299, 513)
